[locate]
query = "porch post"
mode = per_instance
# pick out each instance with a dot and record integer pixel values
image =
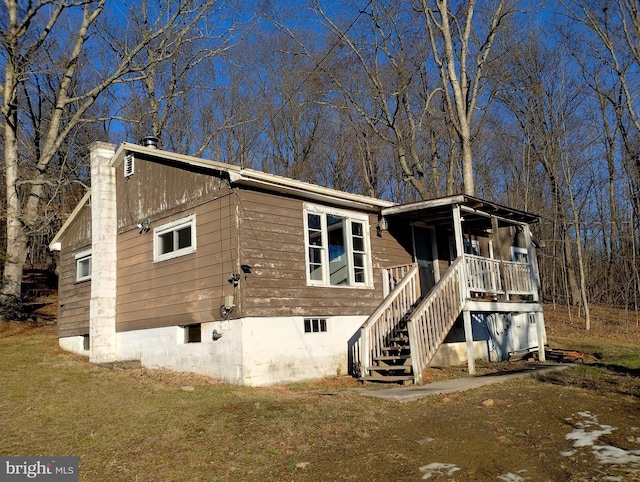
(532, 262)
(540, 331)
(468, 336)
(457, 230)
(385, 282)
(497, 247)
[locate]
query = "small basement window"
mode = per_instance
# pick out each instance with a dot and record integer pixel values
(83, 266)
(315, 325)
(86, 343)
(193, 333)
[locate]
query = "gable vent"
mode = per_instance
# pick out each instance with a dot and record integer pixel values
(128, 165)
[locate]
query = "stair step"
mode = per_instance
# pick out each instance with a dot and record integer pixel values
(401, 339)
(387, 370)
(392, 357)
(388, 379)
(404, 348)
(391, 361)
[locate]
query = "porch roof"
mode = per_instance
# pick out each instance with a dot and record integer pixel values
(475, 211)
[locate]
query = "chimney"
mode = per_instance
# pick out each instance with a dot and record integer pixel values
(150, 141)
(104, 232)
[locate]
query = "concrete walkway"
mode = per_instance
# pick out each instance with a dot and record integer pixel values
(415, 392)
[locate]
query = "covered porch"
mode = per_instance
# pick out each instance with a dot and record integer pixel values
(471, 257)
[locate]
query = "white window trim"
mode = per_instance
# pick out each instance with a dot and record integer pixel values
(516, 250)
(323, 211)
(174, 226)
(321, 320)
(79, 257)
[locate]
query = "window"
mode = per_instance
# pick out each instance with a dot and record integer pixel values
(315, 325)
(519, 255)
(174, 239)
(337, 245)
(83, 266)
(472, 246)
(193, 333)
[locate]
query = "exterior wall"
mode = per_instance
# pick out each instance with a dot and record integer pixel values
(74, 344)
(272, 242)
(187, 289)
(250, 351)
(496, 336)
(158, 189)
(73, 298)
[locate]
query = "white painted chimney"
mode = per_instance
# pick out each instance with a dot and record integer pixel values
(104, 233)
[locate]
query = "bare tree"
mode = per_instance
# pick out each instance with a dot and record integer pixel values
(27, 34)
(177, 73)
(543, 103)
(380, 70)
(461, 45)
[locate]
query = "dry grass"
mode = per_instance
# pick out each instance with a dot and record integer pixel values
(140, 424)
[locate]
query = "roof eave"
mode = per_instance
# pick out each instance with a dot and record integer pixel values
(56, 242)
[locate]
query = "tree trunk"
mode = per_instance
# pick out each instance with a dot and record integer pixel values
(10, 293)
(574, 289)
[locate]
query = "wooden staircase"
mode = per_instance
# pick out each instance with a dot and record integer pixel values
(394, 364)
(401, 337)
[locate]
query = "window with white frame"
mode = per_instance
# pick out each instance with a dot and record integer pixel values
(472, 246)
(174, 239)
(83, 266)
(315, 325)
(520, 255)
(337, 242)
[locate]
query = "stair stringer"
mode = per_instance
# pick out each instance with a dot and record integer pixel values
(434, 316)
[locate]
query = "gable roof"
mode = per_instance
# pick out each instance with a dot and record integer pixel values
(238, 176)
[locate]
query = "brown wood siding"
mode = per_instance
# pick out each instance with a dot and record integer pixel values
(183, 290)
(73, 298)
(159, 189)
(272, 243)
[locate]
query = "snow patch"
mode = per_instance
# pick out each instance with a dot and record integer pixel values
(587, 430)
(436, 468)
(511, 477)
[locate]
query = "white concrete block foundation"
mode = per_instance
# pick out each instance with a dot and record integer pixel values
(250, 351)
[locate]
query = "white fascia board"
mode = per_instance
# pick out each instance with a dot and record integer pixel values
(56, 243)
(249, 177)
(283, 185)
(417, 206)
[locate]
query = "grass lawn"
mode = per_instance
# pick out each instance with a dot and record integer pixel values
(141, 424)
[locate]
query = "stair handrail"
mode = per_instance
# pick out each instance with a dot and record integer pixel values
(387, 317)
(434, 317)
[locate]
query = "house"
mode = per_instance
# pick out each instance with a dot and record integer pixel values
(256, 279)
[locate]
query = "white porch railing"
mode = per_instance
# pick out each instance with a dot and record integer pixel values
(434, 316)
(518, 278)
(492, 276)
(388, 315)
